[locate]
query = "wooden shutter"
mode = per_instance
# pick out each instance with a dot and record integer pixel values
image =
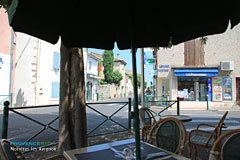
(193, 53)
(55, 90)
(56, 61)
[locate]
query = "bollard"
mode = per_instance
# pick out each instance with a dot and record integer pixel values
(178, 106)
(97, 96)
(129, 115)
(5, 119)
(207, 103)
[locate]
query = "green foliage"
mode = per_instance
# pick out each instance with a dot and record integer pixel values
(101, 81)
(108, 65)
(116, 77)
(145, 85)
(151, 88)
(138, 80)
(204, 40)
(5, 4)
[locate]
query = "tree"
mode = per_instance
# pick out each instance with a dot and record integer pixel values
(108, 65)
(5, 3)
(138, 80)
(116, 77)
(72, 108)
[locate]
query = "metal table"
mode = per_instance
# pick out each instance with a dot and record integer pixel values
(108, 151)
(182, 118)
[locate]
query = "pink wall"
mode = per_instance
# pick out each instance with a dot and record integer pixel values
(5, 33)
(5, 41)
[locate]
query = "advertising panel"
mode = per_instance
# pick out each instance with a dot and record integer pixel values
(209, 89)
(217, 83)
(227, 88)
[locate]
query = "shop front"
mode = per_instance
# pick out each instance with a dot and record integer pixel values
(197, 84)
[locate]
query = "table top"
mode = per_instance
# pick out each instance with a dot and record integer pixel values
(182, 118)
(109, 151)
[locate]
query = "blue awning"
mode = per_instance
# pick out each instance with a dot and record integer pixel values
(196, 72)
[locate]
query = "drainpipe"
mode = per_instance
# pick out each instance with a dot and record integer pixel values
(11, 59)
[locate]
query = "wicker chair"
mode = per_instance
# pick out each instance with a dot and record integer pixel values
(169, 134)
(148, 120)
(203, 138)
(11, 152)
(230, 149)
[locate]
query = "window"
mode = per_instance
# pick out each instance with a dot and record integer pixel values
(55, 90)
(90, 65)
(56, 61)
(1, 62)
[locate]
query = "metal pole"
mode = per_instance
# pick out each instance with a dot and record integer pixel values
(5, 119)
(135, 89)
(142, 77)
(136, 111)
(178, 106)
(129, 115)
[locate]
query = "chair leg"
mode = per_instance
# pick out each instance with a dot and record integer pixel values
(143, 135)
(190, 150)
(195, 152)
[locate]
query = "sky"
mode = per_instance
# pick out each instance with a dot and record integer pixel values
(127, 57)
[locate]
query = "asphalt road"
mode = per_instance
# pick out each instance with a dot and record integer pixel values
(21, 129)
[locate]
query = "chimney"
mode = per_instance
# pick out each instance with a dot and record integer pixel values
(118, 56)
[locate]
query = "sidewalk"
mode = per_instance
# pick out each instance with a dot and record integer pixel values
(203, 106)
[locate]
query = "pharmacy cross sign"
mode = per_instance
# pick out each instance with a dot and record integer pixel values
(151, 61)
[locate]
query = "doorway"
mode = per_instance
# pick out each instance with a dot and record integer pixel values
(238, 91)
(89, 91)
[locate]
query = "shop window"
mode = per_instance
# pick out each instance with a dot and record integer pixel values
(192, 88)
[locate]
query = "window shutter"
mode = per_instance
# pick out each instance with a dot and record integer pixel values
(56, 61)
(55, 89)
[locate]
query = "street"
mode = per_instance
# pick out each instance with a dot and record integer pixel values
(20, 128)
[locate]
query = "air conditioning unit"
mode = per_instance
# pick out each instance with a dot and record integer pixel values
(227, 65)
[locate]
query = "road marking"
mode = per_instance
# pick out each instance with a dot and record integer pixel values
(214, 121)
(210, 129)
(203, 115)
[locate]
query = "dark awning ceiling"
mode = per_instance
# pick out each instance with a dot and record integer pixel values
(99, 24)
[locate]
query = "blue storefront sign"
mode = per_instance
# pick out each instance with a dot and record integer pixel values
(209, 89)
(196, 72)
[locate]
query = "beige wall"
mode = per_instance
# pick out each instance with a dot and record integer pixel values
(173, 57)
(225, 47)
(221, 47)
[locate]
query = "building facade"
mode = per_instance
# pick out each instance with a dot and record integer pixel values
(129, 86)
(92, 77)
(197, 72)
(37, 76)
(7, 55)
(119, 65)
